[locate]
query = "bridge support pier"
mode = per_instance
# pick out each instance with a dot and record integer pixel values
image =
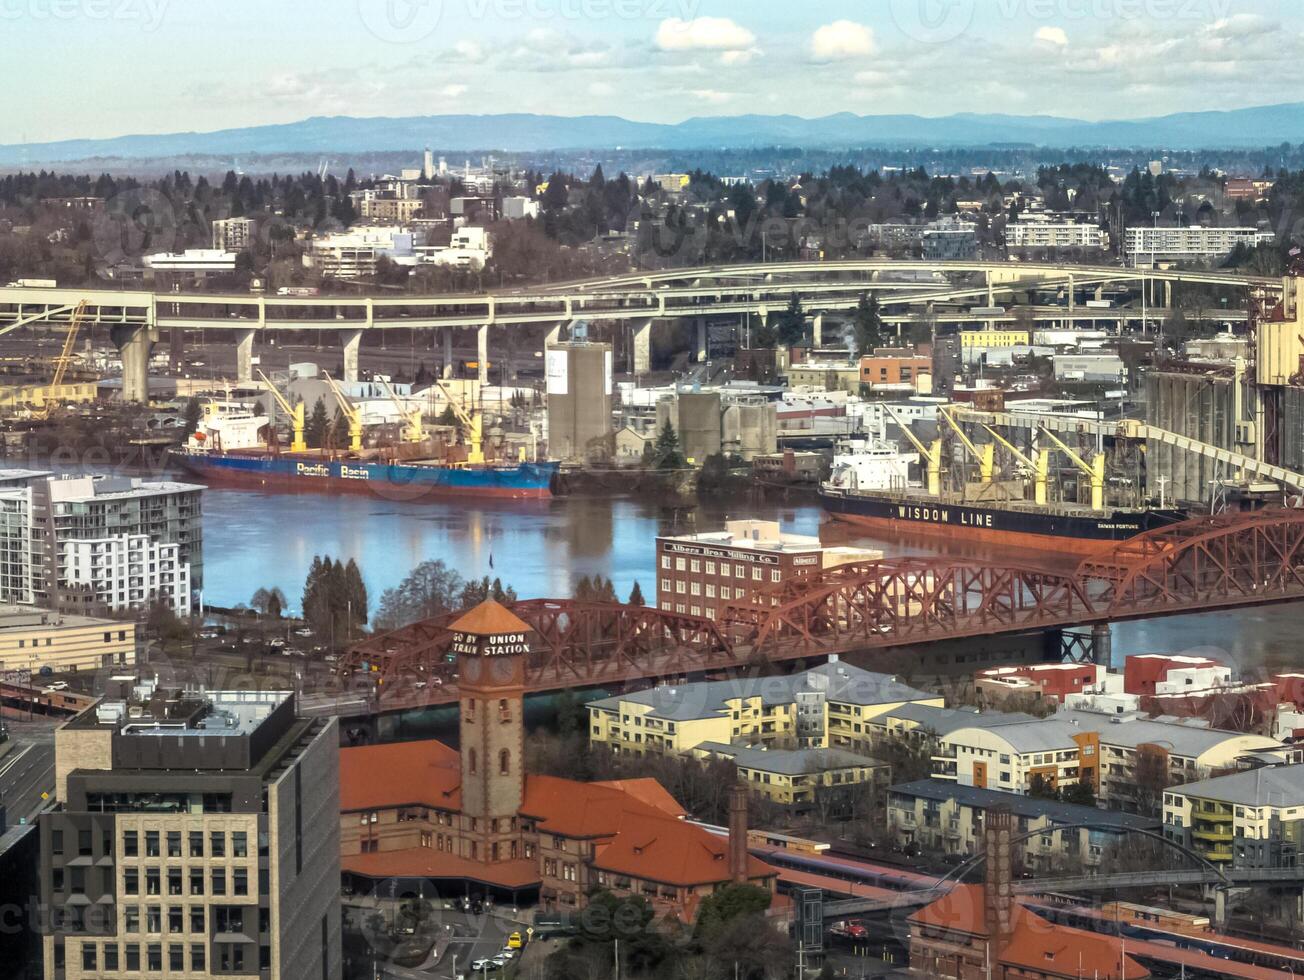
(482, 353)
(1102, 645)
(701, 341)
(448, 352)
(1219, 908)
(817, 330)
(352, 344)
(553, 337)
(642, 352)
(134, 343)
(244, 357)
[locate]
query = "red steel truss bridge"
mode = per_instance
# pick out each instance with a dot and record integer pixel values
(1224, 561)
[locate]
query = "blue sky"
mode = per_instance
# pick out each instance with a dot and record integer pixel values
(94, 68)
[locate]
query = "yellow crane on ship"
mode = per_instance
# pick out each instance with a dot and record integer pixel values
(295, 412)
(350, 413)
(1039, 466)
(62, 362)
(414, 430)
(985, 454)
(472, 424)
(932, 455)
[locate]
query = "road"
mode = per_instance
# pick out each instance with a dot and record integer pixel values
(26, 772)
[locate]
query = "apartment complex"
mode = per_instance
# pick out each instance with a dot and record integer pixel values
(892, 367)
(1146, 245)
(397, 209)
(97, 544)
(195, 835)
(826, 706)
(355, 253)
(796, 777)
(34, 639)
(234, 234)
(1252, 819)
(1055, 235)
(936, 815)
(473, 821)
(750, 560)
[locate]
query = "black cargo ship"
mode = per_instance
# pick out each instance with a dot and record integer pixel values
(1020, 524)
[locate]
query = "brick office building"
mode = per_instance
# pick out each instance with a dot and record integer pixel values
(700, 574)
(475, 823)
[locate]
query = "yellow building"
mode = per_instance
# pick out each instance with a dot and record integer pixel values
(38, 394)
(32, 638)
(805, 710)
(988, 339)
(1250, 819)
(793, 776)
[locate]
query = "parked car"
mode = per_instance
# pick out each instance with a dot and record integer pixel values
(56, 686)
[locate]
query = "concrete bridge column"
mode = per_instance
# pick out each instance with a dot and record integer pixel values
(642, 346)
(553, 337)
(482, 352)
(991, 293)
(1219, 907)
(1102, 644)
(448, 352)
(702, 343)
(352, 344)
(817, 330)
(1168, 294)
(244, 357)
(134, 342)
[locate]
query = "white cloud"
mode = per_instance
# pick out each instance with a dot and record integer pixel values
(601, 88)
(841, 40)
(740, 57)
(873, 77)
(703, 34)
(1052, 35)
(712, 96)
(453, 91)
(469, 50)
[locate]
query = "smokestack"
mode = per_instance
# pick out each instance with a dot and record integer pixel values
(997, 893)
(738, 834)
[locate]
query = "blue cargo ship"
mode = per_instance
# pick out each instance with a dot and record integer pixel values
(313, 471)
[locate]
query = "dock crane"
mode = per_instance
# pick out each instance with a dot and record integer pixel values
(64, 359)
(985, 454)
(295, 412)
(415, 431)
(1039, 467)
(1095, 470)
(350, 412)
(932, 457)
(474, 434)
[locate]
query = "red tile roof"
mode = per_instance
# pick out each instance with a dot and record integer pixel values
(1035, 944)
(488, 619)
(376, 777)
(647, 790)
(657, 848)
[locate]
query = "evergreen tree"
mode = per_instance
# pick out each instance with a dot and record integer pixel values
(636, 596)
(668, 456)
(340, 431)
(314, 433)
(792, 323)
(868, 322)
(192, 415)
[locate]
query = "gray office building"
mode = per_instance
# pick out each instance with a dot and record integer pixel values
(195, 834)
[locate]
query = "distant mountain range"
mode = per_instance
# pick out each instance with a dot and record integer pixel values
(521, 132)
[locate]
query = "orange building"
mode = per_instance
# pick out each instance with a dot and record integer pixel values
(474, 823)
(894, 367)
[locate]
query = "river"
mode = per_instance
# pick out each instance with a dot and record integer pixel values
(542, 549)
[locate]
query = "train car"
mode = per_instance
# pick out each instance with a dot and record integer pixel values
(1149, 915)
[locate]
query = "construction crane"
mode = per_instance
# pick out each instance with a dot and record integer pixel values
(295, 412)
(1095, 470)
(415, 431)
(932, 457)
(1038, 467)
(61, 365)
(474, 435)
(350, 412)
(985, 454)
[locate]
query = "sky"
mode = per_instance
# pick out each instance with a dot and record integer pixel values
(98, 68)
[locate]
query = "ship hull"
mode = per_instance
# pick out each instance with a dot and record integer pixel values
(400, 481)
(1081, 534)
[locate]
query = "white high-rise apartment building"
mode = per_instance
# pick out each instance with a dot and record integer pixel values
(1057, 234)
(1145, 244)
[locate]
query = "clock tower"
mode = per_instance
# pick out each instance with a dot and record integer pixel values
(491, 644)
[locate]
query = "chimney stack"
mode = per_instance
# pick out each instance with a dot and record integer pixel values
(998, 898)
(738, 834)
